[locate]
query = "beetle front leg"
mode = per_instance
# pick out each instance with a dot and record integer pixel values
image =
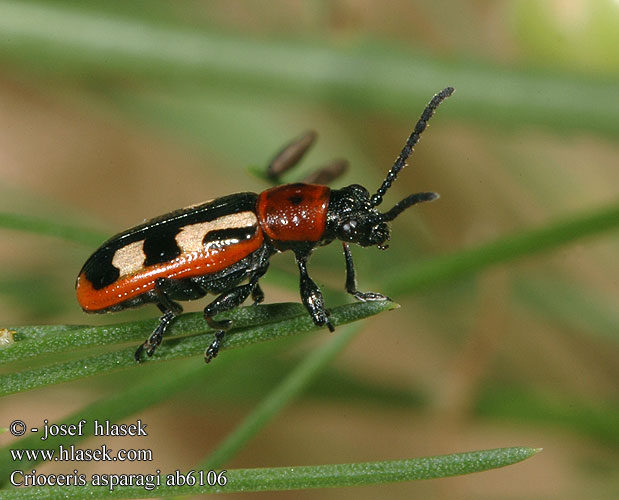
(351, 280)
(312, 296)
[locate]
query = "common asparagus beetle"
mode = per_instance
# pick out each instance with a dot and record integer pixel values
(216, 245)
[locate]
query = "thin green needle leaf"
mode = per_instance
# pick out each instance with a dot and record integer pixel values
(40, 340)
(449, 267)
(48, 227)
(301, 477)
(284, 320)
(283, 394)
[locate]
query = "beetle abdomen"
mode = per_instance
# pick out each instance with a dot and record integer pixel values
(294, 212)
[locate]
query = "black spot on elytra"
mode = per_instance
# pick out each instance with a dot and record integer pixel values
(233, 233)
(99, 269)
(160, 246)
(295, 199)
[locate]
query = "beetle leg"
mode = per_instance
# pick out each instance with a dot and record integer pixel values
(170, 310)
(226, 301)
(162, 287)
(155, 338)
(351, 280)
(257, 295)
(312, 296)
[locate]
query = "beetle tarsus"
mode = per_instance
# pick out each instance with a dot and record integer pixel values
(211, 351)
(151, 344)
(138, 354)
(221, 327)
(257, 295)
(369, 296)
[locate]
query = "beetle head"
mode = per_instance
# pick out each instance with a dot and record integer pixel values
(352, 215)
(353, 219)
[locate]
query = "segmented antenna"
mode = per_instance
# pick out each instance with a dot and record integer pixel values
(409, 201)
(400, 161)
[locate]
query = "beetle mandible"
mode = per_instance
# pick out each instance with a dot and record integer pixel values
(215, 246)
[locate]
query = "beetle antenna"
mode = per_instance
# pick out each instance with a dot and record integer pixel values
(400, 161)
(409, 201)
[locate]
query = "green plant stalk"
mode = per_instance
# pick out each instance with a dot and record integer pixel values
(433, 272)
(174, 348)
(302, 477)
(284, 393)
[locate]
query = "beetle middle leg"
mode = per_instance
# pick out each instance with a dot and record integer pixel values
(351, 280)
(226, 301)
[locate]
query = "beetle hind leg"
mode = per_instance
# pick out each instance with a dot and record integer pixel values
(170, 310)
(152, 342)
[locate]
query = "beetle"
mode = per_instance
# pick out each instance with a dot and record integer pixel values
(215, 246)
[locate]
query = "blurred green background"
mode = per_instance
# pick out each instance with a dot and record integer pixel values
(114, 112)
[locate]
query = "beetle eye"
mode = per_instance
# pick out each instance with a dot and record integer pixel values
(349, 229)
